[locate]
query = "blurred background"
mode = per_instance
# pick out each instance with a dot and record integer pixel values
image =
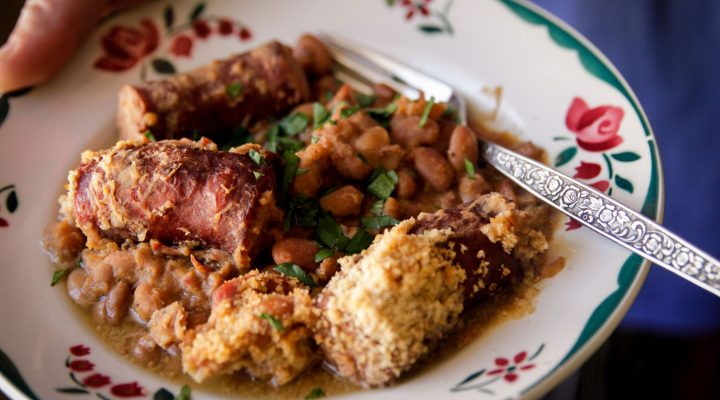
(668, 345)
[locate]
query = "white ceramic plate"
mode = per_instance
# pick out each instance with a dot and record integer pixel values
(558, 91)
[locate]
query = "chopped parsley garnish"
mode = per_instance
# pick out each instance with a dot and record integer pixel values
(271, 138)
(348, 111)
(320, 115)
(328, 231)
(382, 184)
(469, 168)
(378, 222)
(239, 137)
(329, 95)
(274, 322)
(382, 115)
(234, 89)
(323, 254)
(302, 211)
(449, 112)
(377, 207)
(364, 100)
(426, 111)
(314, 139)
(294, 271)
(185, 393)
(256, 157)
(359, 242)
(148, 134)
(362, 158)
(314, 394)
(301, 171)
(257, 174)
(196, 135)
(58, 275)
(291, 167)
(294, 123)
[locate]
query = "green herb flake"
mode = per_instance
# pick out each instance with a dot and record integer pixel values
(301, 171)
(383, 184)
(348, 111)
(185, 393)
(257, 174)
(271, 138)
(314, 139)
(148, 134)
(196, 135)
(469, 168)
(294, 271)
(378, 207)
(360, 241)
(329, 95)
(323, 254)
(294, 123)
(234, 89)
(364, 100)
(316, 393)
(320, 115)
(328, 231)
(58, 275)
(292, 162)
(382, 115)
(426, 111)
(378, 222)
(239, 137)
(303, 211)
(256, 157)
(274, 322)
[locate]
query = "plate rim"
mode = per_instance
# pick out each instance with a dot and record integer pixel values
(577, 354)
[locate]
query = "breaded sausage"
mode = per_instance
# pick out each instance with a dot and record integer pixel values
(260, 322)
(389, 306)
(215, 99)
(176, 192)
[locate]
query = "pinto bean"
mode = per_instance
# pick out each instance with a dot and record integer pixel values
(115, 306)
(313, 55)
(343, 202)
(505, 187)
(314, 159)
(75, 283)
(347, 163)
(392, 208)
(328, 267)
(384, 92)
(296, 251)
(470, 189)
(406, 185)
(449, 200)
(407, 131)
(389, 157)
(433, 168)
(362, 121)
(147, 301)
(463, 145)
(372, 140)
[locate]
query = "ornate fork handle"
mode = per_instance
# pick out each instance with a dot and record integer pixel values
(608, 217)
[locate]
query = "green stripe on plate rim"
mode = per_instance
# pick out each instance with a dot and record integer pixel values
(596, 65)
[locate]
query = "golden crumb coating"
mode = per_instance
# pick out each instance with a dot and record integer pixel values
(260, 323)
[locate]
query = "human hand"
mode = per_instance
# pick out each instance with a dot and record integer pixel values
(47, 34)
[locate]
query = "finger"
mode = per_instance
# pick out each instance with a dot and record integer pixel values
(46, 35)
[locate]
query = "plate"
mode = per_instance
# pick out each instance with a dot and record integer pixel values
(520, 68)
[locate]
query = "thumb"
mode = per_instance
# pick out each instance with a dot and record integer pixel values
(46, 35)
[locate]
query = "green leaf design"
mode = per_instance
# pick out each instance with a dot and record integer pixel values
(472, 377)
(565, 156)
(163, 66)
(169, 17)
(624, 183)
(10, 371)
(4, 108)
(390, 3)
(12, 202)
(72, 390)
(185, 393)
(163, 394)
(626, 156)
(431, 28)
(197, 11)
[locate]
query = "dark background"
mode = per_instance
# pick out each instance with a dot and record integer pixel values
(668, 346)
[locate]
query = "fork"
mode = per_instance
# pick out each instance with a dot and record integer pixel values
(361, 68)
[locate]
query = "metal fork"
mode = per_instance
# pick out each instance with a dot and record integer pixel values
(361, 68)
